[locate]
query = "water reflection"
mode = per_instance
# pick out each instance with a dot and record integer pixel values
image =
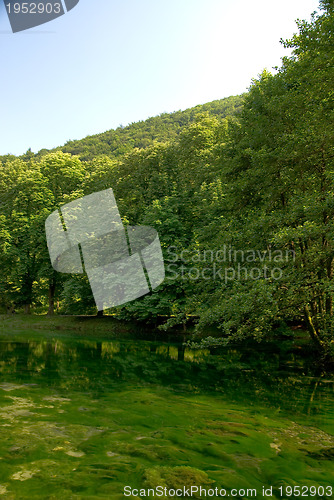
(282, 379)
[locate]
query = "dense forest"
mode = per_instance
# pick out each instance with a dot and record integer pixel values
(240, 191)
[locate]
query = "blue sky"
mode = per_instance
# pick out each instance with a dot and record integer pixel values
(112, 62)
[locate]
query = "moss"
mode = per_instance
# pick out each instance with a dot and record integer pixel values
(176, 478)
(73, 425)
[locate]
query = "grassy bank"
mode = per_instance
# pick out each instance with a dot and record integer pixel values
(81, 326)
(106, 327)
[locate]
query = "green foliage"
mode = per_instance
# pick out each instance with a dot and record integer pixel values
(166, 127)
(253, 172)
(176, 478)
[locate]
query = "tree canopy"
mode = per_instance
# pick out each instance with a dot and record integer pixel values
(240, 191)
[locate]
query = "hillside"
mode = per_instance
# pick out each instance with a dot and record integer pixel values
(240, 191)
(167, 126)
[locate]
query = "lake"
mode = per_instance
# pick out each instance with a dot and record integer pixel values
(82, 419)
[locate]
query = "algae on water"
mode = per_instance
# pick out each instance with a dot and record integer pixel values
(82, 420)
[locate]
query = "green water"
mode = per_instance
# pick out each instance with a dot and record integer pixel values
(83, 419)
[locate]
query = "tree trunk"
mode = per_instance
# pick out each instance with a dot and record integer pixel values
(27, 309)
(311, 328)
(52, 290)
(180, 353)
(26, 291)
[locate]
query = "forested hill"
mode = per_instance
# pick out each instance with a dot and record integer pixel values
(241, 192)
(166, 127)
